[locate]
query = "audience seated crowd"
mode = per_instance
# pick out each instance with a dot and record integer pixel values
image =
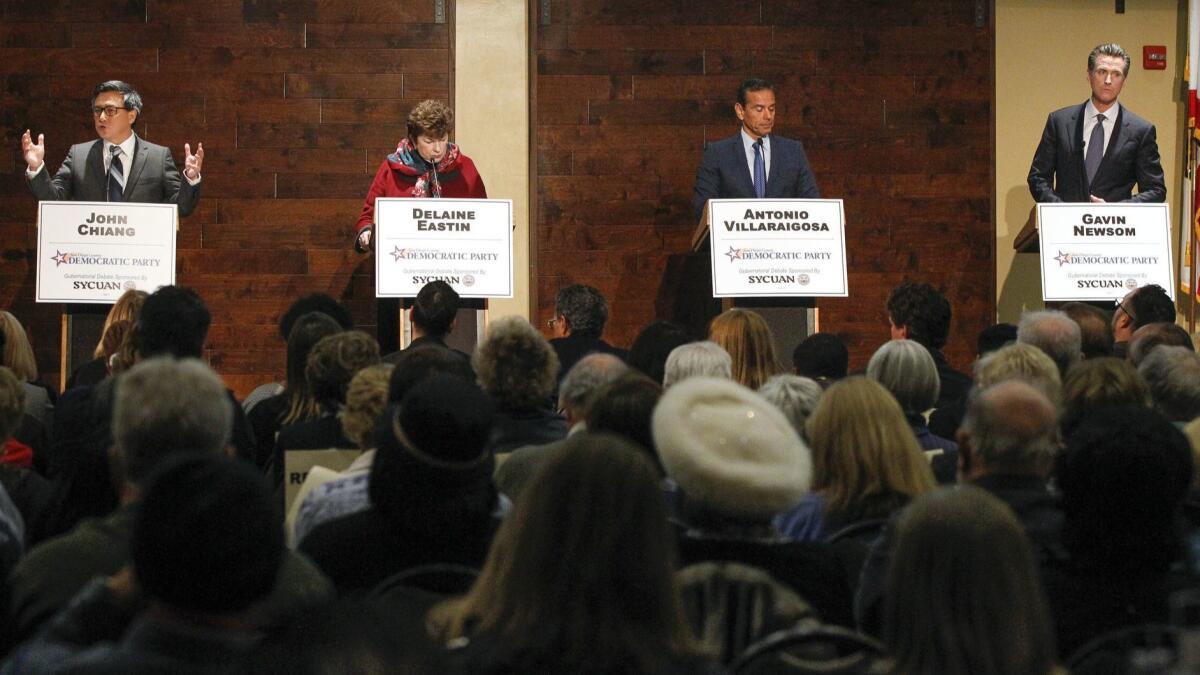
(560, 505)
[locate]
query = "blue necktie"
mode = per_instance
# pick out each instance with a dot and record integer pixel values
(1095, 149)
(760, 170)
(116, 176)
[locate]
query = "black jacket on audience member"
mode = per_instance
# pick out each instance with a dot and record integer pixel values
(572, 348)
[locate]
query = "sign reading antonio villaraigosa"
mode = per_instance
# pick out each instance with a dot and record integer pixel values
(1103, 251)
(92, 252)
(778, 247)
(465, 242)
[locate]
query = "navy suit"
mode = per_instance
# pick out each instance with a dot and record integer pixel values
(725, 174)
(1058, 175)
(152, 179)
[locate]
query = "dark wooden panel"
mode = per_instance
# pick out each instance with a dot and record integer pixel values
(374, 35)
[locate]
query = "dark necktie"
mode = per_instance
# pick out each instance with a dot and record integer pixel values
(760, 170)
(1095, 149)
(116, 176)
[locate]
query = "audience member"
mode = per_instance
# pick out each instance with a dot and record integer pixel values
(295, 402)
(1095, 328)
(919, 312)
(866, 462)
(18, 357)
(366, 399)
(431, 491)
(163, 409)
(795, 396)
(704, 359)
(189, 591)
(575, 395)
(30, 493)
(1101, 383)
(432, 317)
(580, 312)
(1152, 335)
(908, 372)
(315, 302)
(332, 363)
(962, 591)
(349, 494)
(517, 367)
(1172, 375)
(1054, 333)
(1141, 306)
(823, 357)
(625, 407)
(1123, 478)
(745, 335)
(121, 317)
(652, 347)
(737, 462)
(1013, 362)
(580, 577)
(994, 337)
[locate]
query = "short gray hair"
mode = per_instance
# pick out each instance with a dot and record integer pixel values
(585, 378)
(1003, 426)
(906, 369)
(1020, 362)
(164, 407)
(1056, 334)
(1173, 377)
(796, 396)
(515, 365)
(705, 358)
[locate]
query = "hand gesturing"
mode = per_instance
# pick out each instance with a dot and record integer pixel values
(192, 163)
(34, 153)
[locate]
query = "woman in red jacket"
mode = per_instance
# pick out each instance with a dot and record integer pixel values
(425, 164)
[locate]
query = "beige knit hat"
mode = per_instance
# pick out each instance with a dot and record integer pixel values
(730, 449)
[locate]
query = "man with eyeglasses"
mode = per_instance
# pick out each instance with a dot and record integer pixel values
(119, 166)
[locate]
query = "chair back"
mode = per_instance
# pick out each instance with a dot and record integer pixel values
(810, 649)
(1149, 648)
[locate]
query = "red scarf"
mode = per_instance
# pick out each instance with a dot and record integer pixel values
(409, 162)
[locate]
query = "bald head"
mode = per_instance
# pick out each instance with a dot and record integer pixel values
(1054, 333)
(1010, 427)
(583, 380)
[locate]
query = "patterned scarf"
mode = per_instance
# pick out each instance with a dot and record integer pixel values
(409, 162)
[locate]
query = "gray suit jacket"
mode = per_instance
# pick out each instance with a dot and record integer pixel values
(153, 178)
(725, 174)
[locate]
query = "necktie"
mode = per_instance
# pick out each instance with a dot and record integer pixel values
(1095, 149)
(760, 170)
(116, 176)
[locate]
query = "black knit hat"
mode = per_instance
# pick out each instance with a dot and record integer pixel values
(206, 536)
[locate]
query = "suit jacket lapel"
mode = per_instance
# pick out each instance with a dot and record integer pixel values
(94, 169)
(1114, 142)
(140, 152)
(1077, 152)
(739, 156)
(773, 170)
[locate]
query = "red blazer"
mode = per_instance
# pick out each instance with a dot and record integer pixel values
(463, 183)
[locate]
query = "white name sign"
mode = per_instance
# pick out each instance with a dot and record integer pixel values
(92, 252)
(465, 242)
(1103, 251)
(778, 247)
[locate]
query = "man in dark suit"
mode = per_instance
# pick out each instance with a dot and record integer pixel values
(753, 163)
(1096, 151)
(119, 166)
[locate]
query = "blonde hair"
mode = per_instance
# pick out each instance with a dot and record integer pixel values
(747, 338)
(1192, 431)
(1022, 362)
(1102, 382)
(12, 403)
(365, 400)
(18, 355)
(127, 308)
(863, 447)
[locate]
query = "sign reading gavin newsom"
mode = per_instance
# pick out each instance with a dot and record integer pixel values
(465, 242)
(92, 252)
(1103, 251)
(778, 247)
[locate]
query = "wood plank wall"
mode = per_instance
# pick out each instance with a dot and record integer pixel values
(892, 100)
(297, 102)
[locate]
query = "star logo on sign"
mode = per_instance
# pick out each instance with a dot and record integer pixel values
(398, 253)
(1063, 258)
(733, 253)
(60, 258)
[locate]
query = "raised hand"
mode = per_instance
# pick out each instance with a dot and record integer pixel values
(34, 153)
(192, 163)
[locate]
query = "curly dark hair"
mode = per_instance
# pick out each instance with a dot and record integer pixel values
(334, 361)
(1150, 304)
(923, 310)
(585, 307)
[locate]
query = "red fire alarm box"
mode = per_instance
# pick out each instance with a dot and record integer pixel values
(1154, 57)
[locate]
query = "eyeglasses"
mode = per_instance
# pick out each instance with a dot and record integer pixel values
(551, 322)
(1118, 305)
(107, 111)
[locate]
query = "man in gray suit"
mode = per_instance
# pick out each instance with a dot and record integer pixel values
(119, 166)
(753, 163)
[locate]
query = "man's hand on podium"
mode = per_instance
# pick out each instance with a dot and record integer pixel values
(34, 153)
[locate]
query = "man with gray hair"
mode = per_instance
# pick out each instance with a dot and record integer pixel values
(580, 313)
(1054, 333)
(164, 408)
(575, 396)
(1173, 376)
(705, 358)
